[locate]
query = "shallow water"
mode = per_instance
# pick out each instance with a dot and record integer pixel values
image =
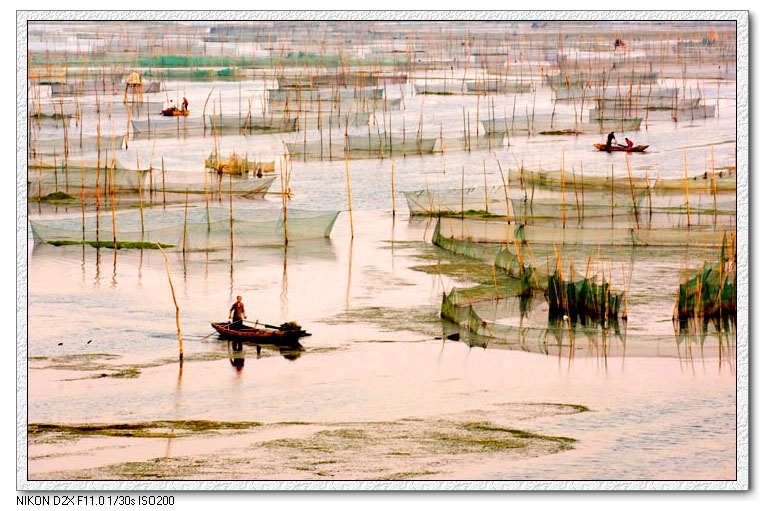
(378, 374)
(644, 409)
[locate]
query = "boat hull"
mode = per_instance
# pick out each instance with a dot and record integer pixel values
(259, 335)
(633, 149)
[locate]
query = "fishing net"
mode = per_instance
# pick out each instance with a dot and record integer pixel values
(310, 94)
(361, 146)
(499, 231)
(711, 290)
(195, 228)
(558, 125)
(73, 145)
(490, 200)
(338, 107)
(84, 177)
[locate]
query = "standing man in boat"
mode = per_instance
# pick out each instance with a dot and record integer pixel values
(238, 312)
(185, 104)
(610, 140)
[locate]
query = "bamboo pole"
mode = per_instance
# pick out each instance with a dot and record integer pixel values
(175, 302)
(114, 220)
(82, 199)
(393, 186)
(348, 183)
(504, 187)
(485, 189)
(207, 201)
(687, 203)
(163, 181)
(563, 185)
(231, 215)
(632, 190)
(283, 184)
(185, 222)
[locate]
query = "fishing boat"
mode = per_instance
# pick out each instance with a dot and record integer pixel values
(174, 112)
(288, 333)
(633, 149)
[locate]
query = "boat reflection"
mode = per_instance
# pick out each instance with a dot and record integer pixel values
(238, 351)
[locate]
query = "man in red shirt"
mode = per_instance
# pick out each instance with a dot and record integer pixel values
(185, 104)
(238, 312)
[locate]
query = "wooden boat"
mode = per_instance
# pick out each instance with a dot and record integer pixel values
(633, 149)
(268, 334)
(174, 112)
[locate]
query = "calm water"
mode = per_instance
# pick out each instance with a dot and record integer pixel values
(376, 352)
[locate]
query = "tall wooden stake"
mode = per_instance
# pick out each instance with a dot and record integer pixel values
(177, 310)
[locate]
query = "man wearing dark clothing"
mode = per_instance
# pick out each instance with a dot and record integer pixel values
(610, 140)
(237, 310)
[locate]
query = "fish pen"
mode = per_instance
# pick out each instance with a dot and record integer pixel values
(196, 228)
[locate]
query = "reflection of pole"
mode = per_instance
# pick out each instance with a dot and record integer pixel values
(348, 182)
(393, 186)
(283, 295)
(283, 184)
(350, 266)
(177, 310)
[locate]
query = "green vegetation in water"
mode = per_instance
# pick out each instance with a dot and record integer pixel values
(560, 132)
(407, 475)
(122, 373)
(469, 213)
(517, 433)
(153, 429)
(53, 197)
(110, 244)
(576, 408)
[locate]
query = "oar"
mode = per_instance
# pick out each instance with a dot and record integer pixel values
(208, 335)
(256, 323)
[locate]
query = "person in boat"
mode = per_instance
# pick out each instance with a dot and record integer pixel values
(237, 310)
(610, 140)
(629, 143)
(185, 104)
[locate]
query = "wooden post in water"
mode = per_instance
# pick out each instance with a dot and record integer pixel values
(82, 199)
(462, 194)
(283, 187)
(348, 183)
(612, 195)
(714, 181)
(231, 215)
(393, 186)
(175, 302)
(485, 189)
(207, 201)
(687, 203)
(163, 180)
(140, 189)
(204, 109)
(504, 187)
(111, 190)
(185, 220)
(563, 185)
(632, 190)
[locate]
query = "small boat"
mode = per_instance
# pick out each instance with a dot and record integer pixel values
(633, 149)
(285, 334)
(174, 112)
